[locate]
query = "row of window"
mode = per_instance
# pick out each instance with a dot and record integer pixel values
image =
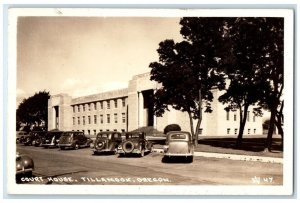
(93, 105)
(236, 131)
(101, 119)
(95, 131)
(235, 116)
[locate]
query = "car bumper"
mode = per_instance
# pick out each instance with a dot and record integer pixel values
(24, 171)
(65, 145)
(102, 150)
(48, 145)
(135, 151)
(178, 154)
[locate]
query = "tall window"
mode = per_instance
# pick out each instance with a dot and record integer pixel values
(89, 119)
(73, 120)
(234, 117)
(116, 118)
(228, 130)
(108, 104)
(248, 131)
(83, 106)
(116, 103)
(123, 118)
(89, 107)
(101, 118)
(108, 118)
(94, 132)
(254, 130)
(73, 109)
(248, 115)
(89, 132)
(95, 105)
(101, 105)
(95, 119)
(227, 115)
(78, 108)
(78, 120)
(123, 102)
(200, 131)
(83, 120)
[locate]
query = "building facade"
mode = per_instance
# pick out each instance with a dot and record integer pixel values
(129, 109)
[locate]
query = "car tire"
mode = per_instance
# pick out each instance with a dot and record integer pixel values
(76, 147)
(128, 146)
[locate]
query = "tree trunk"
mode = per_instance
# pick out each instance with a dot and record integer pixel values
(268, 144)
(191, 125)
(278, 122)
(243, 118)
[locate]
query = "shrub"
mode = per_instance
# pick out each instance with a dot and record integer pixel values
(172, 127)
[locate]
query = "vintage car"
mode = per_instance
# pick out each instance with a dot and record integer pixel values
(32, 137)
(135, 143)
(74, 140)
(24, 165)
(179, 144)
(106, 142)
(20, 136)
(51, 138)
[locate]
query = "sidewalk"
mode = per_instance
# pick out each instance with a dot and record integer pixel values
(233, 156)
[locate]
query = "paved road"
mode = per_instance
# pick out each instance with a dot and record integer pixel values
(53, 166)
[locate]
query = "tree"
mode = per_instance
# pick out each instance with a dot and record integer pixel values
(245, 37)
(255, 46)
(187, 70)
(34, 110)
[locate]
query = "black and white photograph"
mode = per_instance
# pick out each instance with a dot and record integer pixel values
(150, 101)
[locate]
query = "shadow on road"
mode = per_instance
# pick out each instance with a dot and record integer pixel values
(179, 159)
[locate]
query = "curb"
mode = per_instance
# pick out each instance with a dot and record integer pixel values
(234, 157)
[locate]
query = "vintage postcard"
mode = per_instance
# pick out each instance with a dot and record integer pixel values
(150, 101)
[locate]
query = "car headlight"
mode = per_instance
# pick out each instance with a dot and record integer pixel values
(165, 148)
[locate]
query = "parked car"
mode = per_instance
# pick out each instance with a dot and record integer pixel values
(38, 141)
(106, 142)
(74, 140)
(51, 139)
(179, 144)
(31, 138)
(24, 165)
(20, 136)
(135, 143)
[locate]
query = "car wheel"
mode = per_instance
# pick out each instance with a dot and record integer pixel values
(76, 146)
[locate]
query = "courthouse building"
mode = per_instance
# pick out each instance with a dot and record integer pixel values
(131, 108)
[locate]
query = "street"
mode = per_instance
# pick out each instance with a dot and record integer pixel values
(53, 166)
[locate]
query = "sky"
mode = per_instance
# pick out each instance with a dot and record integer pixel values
(86, 55)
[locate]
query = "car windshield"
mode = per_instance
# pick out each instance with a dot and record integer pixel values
(178, 137)
(104, 136)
